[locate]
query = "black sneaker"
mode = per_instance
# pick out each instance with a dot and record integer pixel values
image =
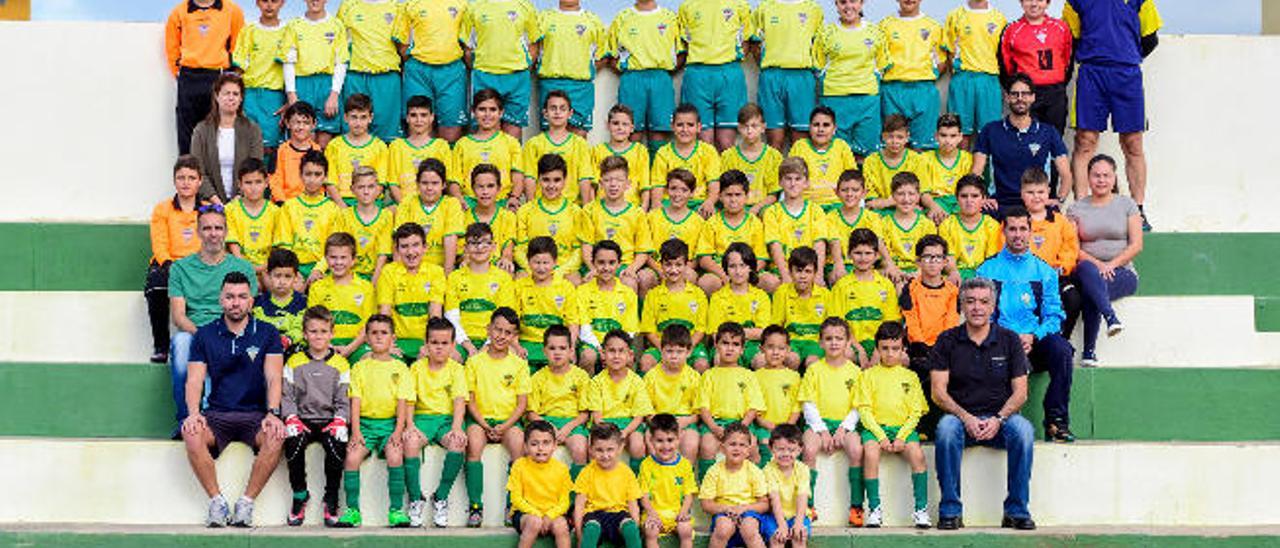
(1020, 524)
(298, 511)
(950, 523)
(1146, 226)
(159, 357)
(1058, 432)
(475, 516)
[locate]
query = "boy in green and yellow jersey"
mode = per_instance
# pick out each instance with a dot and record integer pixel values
(375, 61)
(540, 489)
(946, 166)
(552, 215)
(558, 140)
(668, 482)
(607, 507)
(755, 158)
(673, 219)
(280, 305)
(850, 56)
(619, 396)
(503, 35)
(794, 221)
(714, 32)
(644, 45)
(826, 156)
(356, 149)
(429, 36)
(410, 290)
(605, 304)
(440, 216)
(310, 216)
(971, 36)
(827, 395)
(573, 40)
(673, 387)
(484, 181)
(498, 381)
(675, 302)
(740, 300)
(436, 391)
(619, 143)
(687, 152)
(729, 394)
(406, 154)
(613, 218)
(893, 158)
(905, 225)
(779, 385)
(315, 52)
(865, 298)
(560, 394)
(730, 225)
(971, 235)
(852, 188)
(254, 224)
(915, 52)
(784, 31)
(255, 56)
(801, 306)
(544, 298)
(370, 224)
(475, 290)
(351, 298)
(488, 144)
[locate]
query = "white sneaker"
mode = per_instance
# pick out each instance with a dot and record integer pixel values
(244, 513)
(439, 512)
(416, 510)
(1114, 328)
(219, 513)
(921, 517)
(874, 518)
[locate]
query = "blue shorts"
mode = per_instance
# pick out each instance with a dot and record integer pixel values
(445, 85)
(769, 525)
(582, 97)
(918, 102)
(736, 540)
(651, 96)
(514, 89)
(384, 90)
(857, 121)
(260, 105)
(976, 98)
(718, 91)
(1110, 92)
(787, 97)
(315, 90)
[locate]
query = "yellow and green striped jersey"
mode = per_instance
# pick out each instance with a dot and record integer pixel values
(314, 46)
(825, 167)
(806, 227)
(801, 316)
(664, 306)
(914, 48)
(255, 54)
(476, 295)
(345, 157)
(673, 394)
(850, 59)
(761, 171)
(605, 311)
(445, 218)
(373, 237)
(410, 294)
(307, 224)
(577, 158)
(687, 229)
(351, 303)
(901, 240)
(572, 41)
(714, 30)
(560, 395)
(378, 385)
(371, 26)
(831, 389)
(751, 309)
(637, 157)
(971, 247)
(433, 391)
(629, 228)
(643, 40)
(500, 32)
(432, 29)
(624, 399)
(500, 149)
(717, 234)
(561, 220)
(703, 161)
(781, 390)
(865, 305)
(973, 38)
(403, 160)
(542, 306)
(255, 234)
(879, 173)
(786, 30)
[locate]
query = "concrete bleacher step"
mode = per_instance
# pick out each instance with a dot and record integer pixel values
(1085, 484)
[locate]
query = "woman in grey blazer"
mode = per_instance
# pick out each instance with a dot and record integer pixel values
(224, 139)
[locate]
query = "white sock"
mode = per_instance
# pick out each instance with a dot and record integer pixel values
(246, 499)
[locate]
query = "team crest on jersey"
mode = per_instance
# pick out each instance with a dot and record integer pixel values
(1026, 299)
(204, 29)
(453, 12)
(355, 164)
(253, 235)
(187, 234)
(426, 228)
(803, 17)
(820, 308)
(824, 166)
(395, 378)
(693, 306)
(1034, 148)
(869, 43)
(884, 295)
(426, 286)
(969, 248)
(727, 13)
(493, 287)
(1041, 37)
(1037, 241)
(358, 298)
(484, 156)
(330, 37)
(755, 305)
(742, 386)
(508, 380)
(848, 384)
(364, 241)
(252, 351)
(924, 34)
(580, 29)
(609, 232)
(511, 16)
(662, 29)
(906, 388)
(553, 228)
(559, 299)
(389, 17)
(991, 28)
(799, 234)
(622, 308)
(308, 224)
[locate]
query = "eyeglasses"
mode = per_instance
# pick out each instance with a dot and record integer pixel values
(210, 208)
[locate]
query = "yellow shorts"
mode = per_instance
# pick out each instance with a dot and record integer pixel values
(668, 518)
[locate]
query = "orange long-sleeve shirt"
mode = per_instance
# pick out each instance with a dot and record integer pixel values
(1056, 242)
(202, 38)
(286, 181)
(173, 232)
(929, 311)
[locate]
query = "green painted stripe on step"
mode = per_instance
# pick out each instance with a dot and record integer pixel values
(1186, 404)
(1266, 313)
(73, 257)
(79, 400)
(1208, 264)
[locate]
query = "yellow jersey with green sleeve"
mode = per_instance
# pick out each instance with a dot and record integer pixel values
(577, 158)
(378, 385)
(825, 166)
(628, 227)
(806, 227)
(444, 218)
(801, 316)
(781, 391)
(495, 383)
(667, 484)
(971, 247)
(572, 41)
(410, 294)
(432, 29)
(663, 227)
(637, 157)
(542, 306)
(539, 488)
(562, 222)
(703, 161)
(789, 486)
(308, 223)
(942, 178)
(718, 234)
(403, 159)
(664, 306)
(433, 391)
(644, 40)
(751, 309)
(673, 394)
(500, 32)
(345, 157)
(890, 396)
(503, 225)
(747, 485)
(786, 30)
(761, 171)
(879, 173)
(973, 38)
(714, 30)
(373, 237)
(500, 149)
(624, 399)
(865, 304)
(255, 234)
(371, 27)
(901, 239)
(914, 47)
(850, 59)
(314, 47)
(728, 392)
(560, 395)
(603, 311)
(840, 227)
(607, 490)
(831, 389)
(351, 303)
(255, 55)
(476, 295)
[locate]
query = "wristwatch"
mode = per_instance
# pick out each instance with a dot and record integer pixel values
(276, 411)
(1001, 418)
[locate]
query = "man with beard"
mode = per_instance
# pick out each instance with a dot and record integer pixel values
(1019, 142)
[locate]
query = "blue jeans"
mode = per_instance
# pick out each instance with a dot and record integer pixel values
(1098, 294)
(1016, 437)
(179, 355)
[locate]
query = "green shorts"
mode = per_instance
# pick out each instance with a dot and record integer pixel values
(966, 273)
(467, 422)
(462, 351)
(623, 422)
(699, 352)
(947, 203)
(805, 349)
(651, 96)
(261, 105)
(377, 432)
(434, 427)
(580, 430)
(749, 351)
(384, 90)
(857, 120)
(919, 103)
(305, 269)
(786, 95)
(410, 348)
(537, 358)
(582, 97)
(975, 97)
(717, 91)
(445, 85)
(315, 89)
(869, 346)
(832, 425)
(756, 430)
(514, 89)
(891, 433)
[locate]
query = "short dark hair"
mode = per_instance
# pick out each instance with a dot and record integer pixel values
(890, 331)
(614, 163)
(852, 174)
(558, 330)
(235, 278)
(605, 431)
(733, 329)
(1032, 176)
(251, 165)
(382, 319)
(406, 230)
(314, 157)
(787, 432)
(734, 177)
(863, 236)
(1019, 78)
(507, 313)
(686, 108)
(358, 101)
(949, 119)
(735, 427)
(282, 258)
(552, 162)
(675, 334)
(556, 94)
(673, 249)
(186, 161)
(822, 110)
(485, 169)
(539, 426)
(486, 94)
(774, 329)
(437, 323)
(542, 244)
(678, 174)
(621, 109)
(619, 335)
(748, 112)
(975, 181)
(930, 240)
(606, 245)
(1017, 212)
(895, 122)
(299, 108)
(340, 239)
(432, 165)
(904, 178)
(477, 230)
(833, 321)
(801, 257)
(664, 422)
(419, 101)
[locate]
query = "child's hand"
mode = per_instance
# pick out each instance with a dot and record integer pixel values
(937, 214)
(990, 204)
(707, 209)
(798, 532)
(357, 441)
(561, 435)
(495, 434)
(331, 105)
(837, 439)
(898, 446)
(838, 271)
(652, 523)
(954, 277)
(683, 516)
(717, 431)
(826, 442)
(886, 445)
(781, 535)
(293, 426)
(519, 350)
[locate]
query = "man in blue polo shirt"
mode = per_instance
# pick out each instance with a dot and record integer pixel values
(242, 357)
(1019, 142)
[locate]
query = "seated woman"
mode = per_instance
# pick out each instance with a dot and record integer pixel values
(1110, 228)
(224, 139)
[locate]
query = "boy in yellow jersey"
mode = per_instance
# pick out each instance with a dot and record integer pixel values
(436, 392)
(351, 298)
(971, 235)
(729, 394)
(429, 36)
(714, 32)
(286, 181)
(915, 52)
(573, 41)
(488, 144)
(852, 215)
(893, 158)
(740, 300)
(315, 52)
(410, 290)
(484, 181)
(370, 224)
(440, 215)
(607, 507)
(620, 125)
(375, 61)
(850, 57)
(309, 217)
(255, 56)
(794, 221)
(280, 305)
(755, 158)
(800, 307)
(865, 298)
(406, 154)
(735, 493)
(377, 387)
(827, 395)
(619, 396)
(972, 37)
(789, 493)
(540, 488)
(673, 220)
(254, 224)
(503, 35)
(780, 386)
(560, 394)
(668, 483)
(673, 388)
(544, 298)
(356, 149)
(784, 31)
(731, 224)
(675, 302)
(687, 152)
(826, 156)
(946, 166)
(552, 215)
(644, 45)
(890, 405)
(613, 218)
(498, 381)
(476, 289)
(906, 224)
(604, 304)
(558, 140)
